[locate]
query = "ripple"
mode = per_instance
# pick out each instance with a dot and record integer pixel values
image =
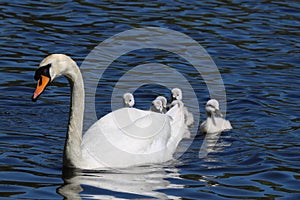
(255, 46)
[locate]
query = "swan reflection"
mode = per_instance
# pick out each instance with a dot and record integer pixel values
(136, 182)
(210, 144)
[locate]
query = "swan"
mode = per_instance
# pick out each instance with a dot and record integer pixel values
(164, 102)
(214, 123)
(128, 100)
(157, 106)
(122, 138)
(177, 95)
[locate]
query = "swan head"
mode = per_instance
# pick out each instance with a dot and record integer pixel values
(176, 94)
(128, 100)
(157, 105)
(49, 69)
(212, 107)
(163, 100)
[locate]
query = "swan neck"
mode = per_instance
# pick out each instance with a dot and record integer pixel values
(72, 153)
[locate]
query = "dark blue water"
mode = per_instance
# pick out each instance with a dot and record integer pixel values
(256, 49)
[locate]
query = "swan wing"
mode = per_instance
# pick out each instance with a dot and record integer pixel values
(128, 136)
(178, 126)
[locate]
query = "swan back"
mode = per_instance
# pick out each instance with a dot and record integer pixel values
(130, 136)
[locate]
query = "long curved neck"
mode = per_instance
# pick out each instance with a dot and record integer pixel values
(211, 115)
(72, 153)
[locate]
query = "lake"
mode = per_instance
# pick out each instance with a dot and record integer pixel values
(250, 62)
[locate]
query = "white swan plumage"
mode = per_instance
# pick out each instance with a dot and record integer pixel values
(122, 138)
(214, 123)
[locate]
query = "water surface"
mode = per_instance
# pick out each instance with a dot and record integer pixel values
(256, 48)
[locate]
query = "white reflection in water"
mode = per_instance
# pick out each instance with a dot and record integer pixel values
(144, 181)
(210, 144)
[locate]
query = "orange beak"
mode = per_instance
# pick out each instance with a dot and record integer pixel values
(41, 85)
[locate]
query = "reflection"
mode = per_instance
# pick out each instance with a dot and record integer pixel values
(139, 182)
(210, 144)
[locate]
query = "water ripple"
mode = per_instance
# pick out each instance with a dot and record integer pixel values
(256, 48)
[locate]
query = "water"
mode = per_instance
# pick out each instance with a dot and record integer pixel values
(256, 49)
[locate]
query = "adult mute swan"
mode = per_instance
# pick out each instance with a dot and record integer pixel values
(128, 100)
(214, 123)
(122, 138)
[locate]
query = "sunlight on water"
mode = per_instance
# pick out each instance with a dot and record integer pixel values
(255, 46)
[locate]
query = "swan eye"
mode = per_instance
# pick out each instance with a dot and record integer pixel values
(44, 70)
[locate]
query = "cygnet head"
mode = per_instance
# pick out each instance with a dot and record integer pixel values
(176, 94)
(163, 100)
(212, 106)
(128, 100)
(157, 105)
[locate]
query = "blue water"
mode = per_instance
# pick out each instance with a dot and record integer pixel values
(255, 46)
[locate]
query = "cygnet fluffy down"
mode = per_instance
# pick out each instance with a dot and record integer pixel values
(214, 122)
(188, 116)
(128, 100)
